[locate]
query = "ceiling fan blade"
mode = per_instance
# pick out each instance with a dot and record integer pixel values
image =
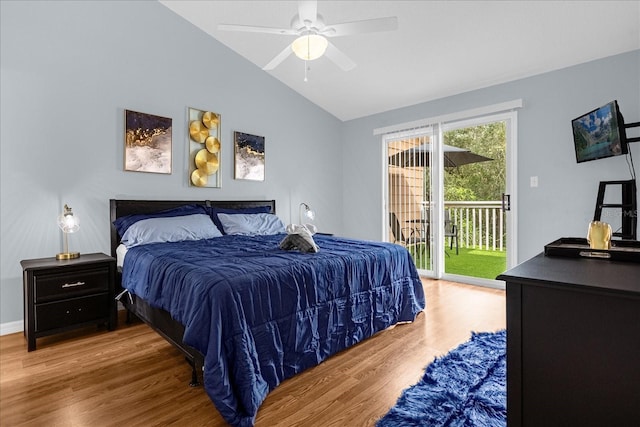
(279, 58)
(254, 29)
(339, 58)
(308, 11)
(359, 27)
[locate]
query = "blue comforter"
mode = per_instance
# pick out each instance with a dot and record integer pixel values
(260, 314)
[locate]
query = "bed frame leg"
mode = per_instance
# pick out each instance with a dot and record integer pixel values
(194, 373)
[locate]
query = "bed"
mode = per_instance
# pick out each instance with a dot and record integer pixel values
(247, 314)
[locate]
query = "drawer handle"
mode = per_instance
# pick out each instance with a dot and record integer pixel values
(72, 285)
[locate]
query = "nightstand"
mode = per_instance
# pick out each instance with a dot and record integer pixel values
(60, 295)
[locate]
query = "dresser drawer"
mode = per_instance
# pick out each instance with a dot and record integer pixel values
(50, 286)
(55, 315)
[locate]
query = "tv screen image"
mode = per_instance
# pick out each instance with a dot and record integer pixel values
(599, 133)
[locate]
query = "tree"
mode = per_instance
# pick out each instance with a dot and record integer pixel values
(478, 181)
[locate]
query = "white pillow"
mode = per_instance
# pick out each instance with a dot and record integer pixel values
(259, 224)
(170, 229)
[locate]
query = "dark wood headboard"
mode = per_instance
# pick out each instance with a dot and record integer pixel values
(118, 208)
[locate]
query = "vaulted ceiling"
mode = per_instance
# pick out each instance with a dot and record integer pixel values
(440, 48)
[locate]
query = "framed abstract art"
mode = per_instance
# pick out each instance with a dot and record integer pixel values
(147, 142)
(248, 156)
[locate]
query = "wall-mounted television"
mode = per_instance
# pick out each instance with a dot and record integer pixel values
(599, 133)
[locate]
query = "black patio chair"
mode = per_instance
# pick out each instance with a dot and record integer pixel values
(415, 236)
(450, 230)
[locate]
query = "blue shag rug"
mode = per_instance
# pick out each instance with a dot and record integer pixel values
(466, 387)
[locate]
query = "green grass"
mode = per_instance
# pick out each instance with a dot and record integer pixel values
(476, 263)
(469, 262)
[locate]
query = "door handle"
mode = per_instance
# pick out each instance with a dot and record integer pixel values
(506, 202)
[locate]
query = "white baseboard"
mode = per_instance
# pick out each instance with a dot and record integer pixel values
(11, 327)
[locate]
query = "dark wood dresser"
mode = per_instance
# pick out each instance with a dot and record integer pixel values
(573, 342)
(60, 295)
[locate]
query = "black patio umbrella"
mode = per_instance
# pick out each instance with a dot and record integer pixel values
(419, 156)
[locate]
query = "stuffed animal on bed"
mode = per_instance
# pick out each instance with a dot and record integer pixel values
(300, 237)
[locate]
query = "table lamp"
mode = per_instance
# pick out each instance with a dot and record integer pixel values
(306, 213)
(68, 223)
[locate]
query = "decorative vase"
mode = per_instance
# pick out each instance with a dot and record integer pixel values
(599, 235)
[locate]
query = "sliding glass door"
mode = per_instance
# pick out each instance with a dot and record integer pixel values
(408, 193)
(450, 196)
(474, 182)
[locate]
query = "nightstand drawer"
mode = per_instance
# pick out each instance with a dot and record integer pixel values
(73, 311)
(60, 295)
(55, 286)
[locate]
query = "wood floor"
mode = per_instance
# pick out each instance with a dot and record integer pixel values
(131, 376)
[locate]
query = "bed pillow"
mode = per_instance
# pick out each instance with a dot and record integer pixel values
(214, 211)
(124, 222)
(259, 224)
(170, 229)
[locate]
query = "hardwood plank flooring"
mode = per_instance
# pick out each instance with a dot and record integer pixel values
(132, 376)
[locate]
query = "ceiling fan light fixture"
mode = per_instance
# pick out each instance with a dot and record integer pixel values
(309, 47)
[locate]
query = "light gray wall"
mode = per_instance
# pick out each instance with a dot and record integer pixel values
(70, 69)
(563, 204)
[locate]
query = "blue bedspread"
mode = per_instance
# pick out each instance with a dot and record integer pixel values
(260, 314)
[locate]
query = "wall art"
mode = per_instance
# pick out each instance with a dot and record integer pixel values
(204, 148)
(147, 142)
(249, 156)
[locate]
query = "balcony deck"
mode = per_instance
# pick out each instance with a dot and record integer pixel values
(486, 264)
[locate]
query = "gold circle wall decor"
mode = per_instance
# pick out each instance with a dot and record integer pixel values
(207, 162)
(198, 131)
(213, 144)
(210, 120)
(199, 178)
(204, 161)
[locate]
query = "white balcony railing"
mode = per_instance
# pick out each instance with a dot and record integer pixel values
(480, 225)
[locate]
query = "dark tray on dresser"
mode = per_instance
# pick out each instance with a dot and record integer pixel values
(575, 247)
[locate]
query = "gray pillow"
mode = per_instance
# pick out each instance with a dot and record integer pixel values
(259, 224)
(170, 229)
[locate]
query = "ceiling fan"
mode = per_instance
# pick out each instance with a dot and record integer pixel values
(312, 34)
